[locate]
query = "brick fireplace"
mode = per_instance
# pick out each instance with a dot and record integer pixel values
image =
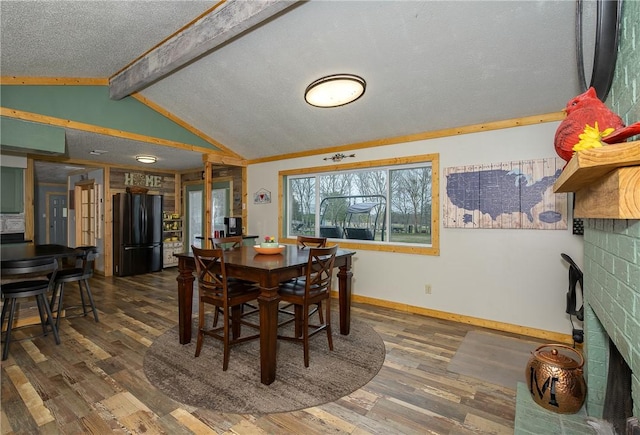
(612, 305)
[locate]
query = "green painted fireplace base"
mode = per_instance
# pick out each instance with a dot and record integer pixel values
(533, 419)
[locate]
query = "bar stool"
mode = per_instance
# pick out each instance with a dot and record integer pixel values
(81, 273)
(13, 291)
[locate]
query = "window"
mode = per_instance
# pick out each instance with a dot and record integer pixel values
(86, 206)
(220, 207)
(389, 205)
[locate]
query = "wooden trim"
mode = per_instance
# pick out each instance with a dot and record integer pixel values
(554, 337)
(186, 126)
(473, 128)
(244, 199)
(87, 182)
(434, 158)
(29, 205)
(360, 165)
(50, 184)
(177, 189)
(77, 198)
(224, 160)
(66, 123)
(107, 221)
(54, 81)
(206, 224)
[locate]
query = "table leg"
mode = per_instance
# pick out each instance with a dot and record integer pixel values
(185, 300)
(268, 301)
(344, 296)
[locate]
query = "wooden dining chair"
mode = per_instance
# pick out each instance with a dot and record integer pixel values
(311, 242)
(304, 242)
(36, 269)
(231, 242)
(80, 273)
(315, 288)
(216, 290)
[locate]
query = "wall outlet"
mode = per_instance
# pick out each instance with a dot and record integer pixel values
(427, 289)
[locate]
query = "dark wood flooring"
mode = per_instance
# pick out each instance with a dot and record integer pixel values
(94, 383)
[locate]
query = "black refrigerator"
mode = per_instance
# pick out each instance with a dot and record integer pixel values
(137, 233)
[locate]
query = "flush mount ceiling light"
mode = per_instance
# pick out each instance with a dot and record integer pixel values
(146, 159)
(335, 90)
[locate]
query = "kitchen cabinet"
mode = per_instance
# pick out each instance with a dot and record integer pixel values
(171, 239)
(170, 248)
(12, 190)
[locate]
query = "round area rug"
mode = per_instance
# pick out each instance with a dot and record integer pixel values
(172, 368)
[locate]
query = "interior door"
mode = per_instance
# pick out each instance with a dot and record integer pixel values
(86, 213)
(57, 230)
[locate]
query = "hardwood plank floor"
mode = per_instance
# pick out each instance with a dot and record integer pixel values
(94, 382)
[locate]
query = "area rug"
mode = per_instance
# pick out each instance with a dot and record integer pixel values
(173, 369)
(493, 358)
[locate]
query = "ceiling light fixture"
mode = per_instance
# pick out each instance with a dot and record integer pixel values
(146, 159)
(335, 90)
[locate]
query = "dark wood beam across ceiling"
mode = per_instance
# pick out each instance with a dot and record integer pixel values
(211, 30)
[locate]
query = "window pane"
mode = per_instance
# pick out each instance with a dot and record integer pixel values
(219, 209)
(302, 206)
(390, 204)
(195, 217)
(410, 196)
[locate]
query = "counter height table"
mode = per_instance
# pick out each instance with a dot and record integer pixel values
(26, 251)
(268, 271)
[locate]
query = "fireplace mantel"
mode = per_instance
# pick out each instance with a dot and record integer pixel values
(606, 182)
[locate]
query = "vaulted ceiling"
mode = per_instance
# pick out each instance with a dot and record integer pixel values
(429, 65)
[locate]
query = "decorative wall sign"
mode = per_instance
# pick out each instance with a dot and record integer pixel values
(137, 179)
(505, 195)
(262, 196)
(338, 157)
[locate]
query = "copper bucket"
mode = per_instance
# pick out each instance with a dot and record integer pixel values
(555, 379)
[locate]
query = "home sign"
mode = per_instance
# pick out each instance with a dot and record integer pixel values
(137, 179)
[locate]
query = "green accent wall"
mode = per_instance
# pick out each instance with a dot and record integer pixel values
(612, 247)
(624, 98)
(91, 105)
(32, 136)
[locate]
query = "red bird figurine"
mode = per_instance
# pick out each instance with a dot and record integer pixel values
(587, 109)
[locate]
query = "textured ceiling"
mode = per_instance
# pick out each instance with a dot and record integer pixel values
(429, 65)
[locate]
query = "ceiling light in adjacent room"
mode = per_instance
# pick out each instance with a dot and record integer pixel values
(335, 90)
(146, 159)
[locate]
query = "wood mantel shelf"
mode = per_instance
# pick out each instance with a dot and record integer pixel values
(606, 182)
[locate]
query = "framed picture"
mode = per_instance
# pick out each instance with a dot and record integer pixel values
(262, 196)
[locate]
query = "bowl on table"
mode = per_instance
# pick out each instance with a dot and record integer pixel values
(269, 250)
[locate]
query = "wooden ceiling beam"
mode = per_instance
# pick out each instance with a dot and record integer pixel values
(219, 159)
(210, 31)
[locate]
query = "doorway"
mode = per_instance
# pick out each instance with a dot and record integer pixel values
(194, 209)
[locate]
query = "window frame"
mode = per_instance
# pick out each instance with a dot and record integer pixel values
(433, 159)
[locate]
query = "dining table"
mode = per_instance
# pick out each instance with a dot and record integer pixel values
(27, 251)
(267, 271)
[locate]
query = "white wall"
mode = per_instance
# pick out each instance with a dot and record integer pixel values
(13, 161)
(510, 276)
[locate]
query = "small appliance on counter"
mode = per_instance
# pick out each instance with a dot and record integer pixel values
(233, 226)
